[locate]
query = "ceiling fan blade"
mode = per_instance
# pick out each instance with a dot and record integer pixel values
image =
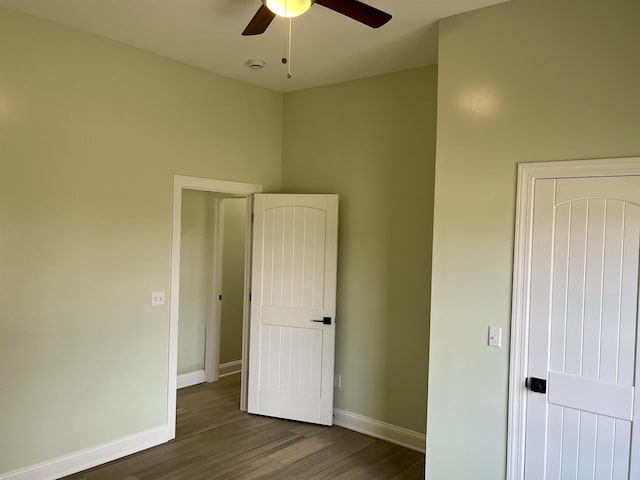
(259, 22)
(359, 11)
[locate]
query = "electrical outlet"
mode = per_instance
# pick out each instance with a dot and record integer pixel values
(337, 380)
(157, 298)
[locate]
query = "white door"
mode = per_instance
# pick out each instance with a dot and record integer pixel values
(291, 349)
(582, 330)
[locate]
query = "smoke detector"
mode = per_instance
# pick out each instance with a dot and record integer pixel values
(255, 64)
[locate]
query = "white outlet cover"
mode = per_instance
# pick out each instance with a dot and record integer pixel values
(495, 336)
(157, 298)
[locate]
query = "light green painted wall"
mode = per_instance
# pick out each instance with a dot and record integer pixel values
(196, 265)
(235, 228)
(528, 80)
(373, 142)
(91, 133)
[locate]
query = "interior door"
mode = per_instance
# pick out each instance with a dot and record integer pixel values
(583, 330)
(292, 326)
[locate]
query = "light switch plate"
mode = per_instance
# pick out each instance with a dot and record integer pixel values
(157, 298)
(495, 336)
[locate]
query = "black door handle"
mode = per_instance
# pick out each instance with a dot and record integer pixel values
(537, 385)
(325, 320)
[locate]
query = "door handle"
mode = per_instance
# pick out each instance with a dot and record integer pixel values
(325, 320)
(537, 385)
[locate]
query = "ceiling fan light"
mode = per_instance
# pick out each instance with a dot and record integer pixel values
(288, 8)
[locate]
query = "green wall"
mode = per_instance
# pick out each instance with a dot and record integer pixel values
(235, 228)
(196, 268)
(91, 133)
(373, 142)
(528, 80)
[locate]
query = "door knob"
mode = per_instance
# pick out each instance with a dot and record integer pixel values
(537, 385)
(325, 320)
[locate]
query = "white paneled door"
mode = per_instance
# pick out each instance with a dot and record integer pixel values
(582, 368)
(291, 350)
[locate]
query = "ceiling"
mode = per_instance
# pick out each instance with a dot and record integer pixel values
(327, 47)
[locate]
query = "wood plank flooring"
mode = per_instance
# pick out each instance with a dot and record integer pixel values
(215, 440)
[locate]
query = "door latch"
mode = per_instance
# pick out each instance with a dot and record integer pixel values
(537, 385)
(325, 320)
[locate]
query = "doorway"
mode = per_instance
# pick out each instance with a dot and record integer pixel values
(575, 316)
(211, 204)
(212, 267)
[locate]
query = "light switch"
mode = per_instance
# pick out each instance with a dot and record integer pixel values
(495, 336)
(157, 298)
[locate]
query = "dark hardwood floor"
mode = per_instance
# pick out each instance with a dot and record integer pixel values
(215, 440)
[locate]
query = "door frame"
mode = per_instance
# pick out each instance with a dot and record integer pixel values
(180, 183)
(528, 173)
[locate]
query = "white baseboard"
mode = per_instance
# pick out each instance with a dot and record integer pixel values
(384, 431)
(230, 368)
(191, 378)
(195, 378)
(91, 457)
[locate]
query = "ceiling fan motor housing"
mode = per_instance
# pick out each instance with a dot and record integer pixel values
(288, 8)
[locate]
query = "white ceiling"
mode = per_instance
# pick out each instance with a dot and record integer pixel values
(327, 47)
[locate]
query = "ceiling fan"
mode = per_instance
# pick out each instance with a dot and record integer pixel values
(354, 9)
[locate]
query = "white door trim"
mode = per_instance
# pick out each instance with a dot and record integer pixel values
(528, 173)
(181, 183)
(246, 306)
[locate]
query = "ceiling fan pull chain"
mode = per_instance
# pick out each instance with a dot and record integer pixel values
(284, 50)
(286, 60)
(289, 55)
